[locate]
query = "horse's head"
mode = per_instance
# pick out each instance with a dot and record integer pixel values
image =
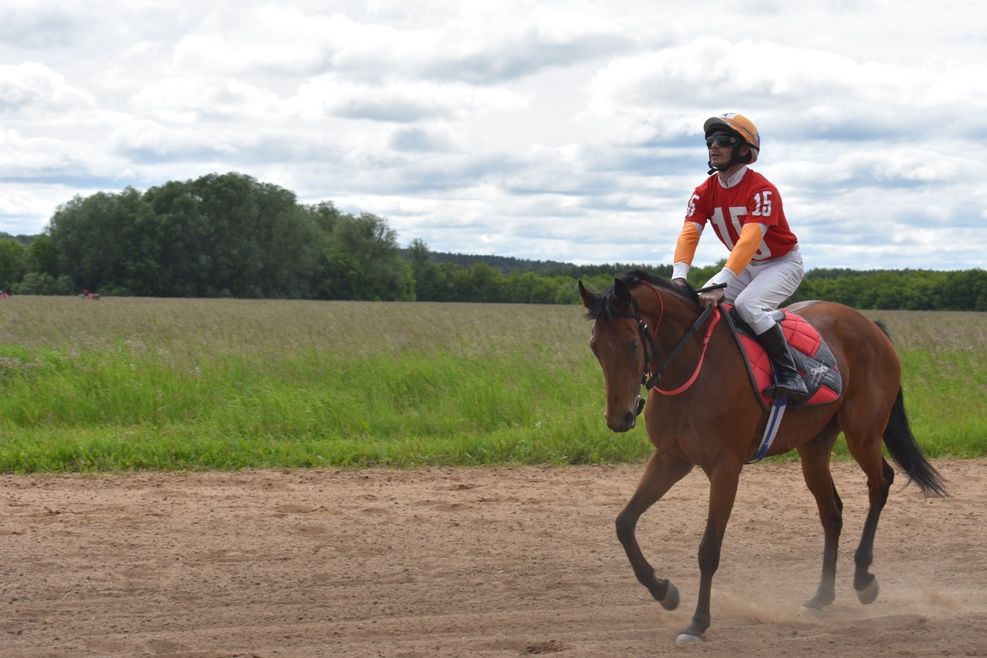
(622, 339)
(616, 343)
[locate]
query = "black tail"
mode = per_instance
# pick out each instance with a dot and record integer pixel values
(905, 450)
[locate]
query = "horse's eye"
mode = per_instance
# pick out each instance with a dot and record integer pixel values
(633, 346)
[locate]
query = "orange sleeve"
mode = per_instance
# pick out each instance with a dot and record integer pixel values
(685, 247)
(748, 244)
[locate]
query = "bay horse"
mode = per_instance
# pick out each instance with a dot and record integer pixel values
(708, 415)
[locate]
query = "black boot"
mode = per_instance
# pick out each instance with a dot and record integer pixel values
(788, 382)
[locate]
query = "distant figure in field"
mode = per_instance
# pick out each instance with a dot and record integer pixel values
(87, 294)
(5, 293)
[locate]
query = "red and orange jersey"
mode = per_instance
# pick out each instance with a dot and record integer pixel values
(753, 199)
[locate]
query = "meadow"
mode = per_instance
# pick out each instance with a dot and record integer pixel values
(189, 384)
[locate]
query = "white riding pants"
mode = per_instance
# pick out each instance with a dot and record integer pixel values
(762, 287)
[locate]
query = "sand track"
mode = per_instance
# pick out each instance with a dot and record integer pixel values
(469, 562)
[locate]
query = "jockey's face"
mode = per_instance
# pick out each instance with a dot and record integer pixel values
(721, 146)
(719, 155)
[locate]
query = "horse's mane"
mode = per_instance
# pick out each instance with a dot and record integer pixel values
(607, 308)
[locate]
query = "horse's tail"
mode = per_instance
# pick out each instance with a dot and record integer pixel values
(904, 448)
(906, 452)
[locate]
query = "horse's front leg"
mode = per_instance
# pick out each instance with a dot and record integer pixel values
(659, 476)
(722, 492)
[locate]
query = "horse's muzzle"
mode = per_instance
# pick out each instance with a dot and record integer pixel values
(621, 423)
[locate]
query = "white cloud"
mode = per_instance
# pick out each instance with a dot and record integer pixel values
(399, 102)
(795, 85)
(34, 87)
(563, 130)
(286, 41)
(190, 100)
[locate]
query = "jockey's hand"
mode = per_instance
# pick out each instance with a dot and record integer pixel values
(681, 283)
(712, 297)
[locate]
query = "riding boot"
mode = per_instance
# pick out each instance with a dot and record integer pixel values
(788, 382)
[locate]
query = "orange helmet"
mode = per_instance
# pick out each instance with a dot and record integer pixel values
(739, 125)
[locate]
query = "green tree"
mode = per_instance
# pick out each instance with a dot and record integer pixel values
(428, 281)
(95, 237)
(362, 261)
(325, 215)
(485, 283)
(175, 258)
(34, 283)
(13, 262)
(42, 257)
(213, 236)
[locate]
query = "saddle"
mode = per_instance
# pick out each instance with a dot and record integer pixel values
(813, 358)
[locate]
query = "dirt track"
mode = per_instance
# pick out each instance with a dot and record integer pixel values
(469, 562)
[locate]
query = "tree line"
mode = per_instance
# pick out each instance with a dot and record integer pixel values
(229, 235)
(217, 236)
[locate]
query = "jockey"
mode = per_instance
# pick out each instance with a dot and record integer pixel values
(764, 267)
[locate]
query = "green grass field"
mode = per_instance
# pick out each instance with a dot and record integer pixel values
(126, 383)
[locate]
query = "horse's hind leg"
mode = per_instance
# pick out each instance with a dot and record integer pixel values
(815, 469)
(659, 476)
(879, 478)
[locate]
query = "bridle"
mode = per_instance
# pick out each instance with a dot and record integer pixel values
(649, 379)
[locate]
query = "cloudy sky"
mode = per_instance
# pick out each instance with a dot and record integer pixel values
(555, 130)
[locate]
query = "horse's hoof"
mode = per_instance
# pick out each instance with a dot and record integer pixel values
(818, 602)
(869, 593)
(692, 634)
(685, 639)
(810, 611)
(671, 600)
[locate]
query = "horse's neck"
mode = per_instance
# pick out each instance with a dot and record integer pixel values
(674, 322)
(677, 350)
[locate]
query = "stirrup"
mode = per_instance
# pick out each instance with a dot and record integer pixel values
(794, 395)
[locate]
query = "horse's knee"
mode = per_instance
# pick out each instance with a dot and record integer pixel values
(625, 524)
(833, 522)
(888, 477)
(878, 494)
(837, 499)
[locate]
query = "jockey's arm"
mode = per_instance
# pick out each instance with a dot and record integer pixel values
(685, 249)
(741, 254)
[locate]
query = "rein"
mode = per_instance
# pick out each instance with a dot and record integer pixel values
(650, 379)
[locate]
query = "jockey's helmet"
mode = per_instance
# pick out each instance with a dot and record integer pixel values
(739, 125)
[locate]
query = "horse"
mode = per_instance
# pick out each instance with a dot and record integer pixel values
(708, 415)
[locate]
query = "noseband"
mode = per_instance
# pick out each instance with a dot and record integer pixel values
(649, 379)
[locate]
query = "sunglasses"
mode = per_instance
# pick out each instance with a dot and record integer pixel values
(721, 139)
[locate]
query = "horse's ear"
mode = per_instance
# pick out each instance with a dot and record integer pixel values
(589, 299)
(622, 293)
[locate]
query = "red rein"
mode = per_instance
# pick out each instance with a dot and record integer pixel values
(702, 357)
